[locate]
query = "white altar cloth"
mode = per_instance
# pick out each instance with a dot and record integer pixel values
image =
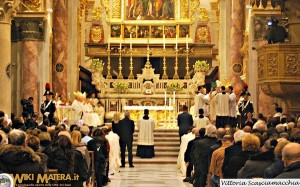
(148, 107)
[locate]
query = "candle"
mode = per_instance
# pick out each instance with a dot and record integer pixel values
(170, 100)
(165, 98)
(120, 42)
(173, 97)
(176, 41)
(148, 44)
(130, 41)
(108, 45)
(164, 42)
(187, 43)
(69, 96)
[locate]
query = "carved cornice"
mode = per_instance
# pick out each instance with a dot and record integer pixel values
(196, 51)
(8, 9)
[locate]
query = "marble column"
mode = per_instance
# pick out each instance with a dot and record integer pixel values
(224, 38)
(236, 43)
(30, 65)
(31, 34)
(293, 13)
(60, 49)
(7, 8)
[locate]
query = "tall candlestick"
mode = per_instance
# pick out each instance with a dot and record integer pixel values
(164, 42)
(130, 41)
(176, 41)
(187, 43)
(120, 42)
(173, 97)
(165, 98)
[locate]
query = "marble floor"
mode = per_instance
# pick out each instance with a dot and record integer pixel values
(148, 175)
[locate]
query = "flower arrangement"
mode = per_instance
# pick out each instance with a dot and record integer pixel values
(120, 86)
(201, 66)
(174, 86)
(97, 64)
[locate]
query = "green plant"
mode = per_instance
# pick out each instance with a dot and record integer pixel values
(174, 86)
(97, 64)
(120, 86)
(201, 65)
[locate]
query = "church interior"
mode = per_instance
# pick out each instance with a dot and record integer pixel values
(96, 46)
(132, 55)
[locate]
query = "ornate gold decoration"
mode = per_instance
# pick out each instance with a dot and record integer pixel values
(108, 76)
(33, 5)
(116, 9)
(237, 68)
(194, 5)
(120, 76)
(96, 33)
(164, 76)
(272, 64)
(96, 14)
(187, 68)
(203, 17)
(106, 4)
(292, 64)
(131, 76)
(245, 55)
(184, 9)
(261, 66)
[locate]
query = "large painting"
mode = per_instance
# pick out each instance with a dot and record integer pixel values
(149, 10)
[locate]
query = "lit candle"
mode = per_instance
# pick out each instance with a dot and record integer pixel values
(165, 98)
(187, 43)
(176, 41)
(130, 41)
(173, 97)
(164, 42)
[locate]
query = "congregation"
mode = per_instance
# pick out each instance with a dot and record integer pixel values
(221, 140)
(225, 140)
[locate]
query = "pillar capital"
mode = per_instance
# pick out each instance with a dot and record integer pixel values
(8, 9)
(31, 29)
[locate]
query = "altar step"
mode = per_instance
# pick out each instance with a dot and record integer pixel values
(166, 146)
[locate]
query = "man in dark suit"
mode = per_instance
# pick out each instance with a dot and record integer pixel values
(126, 130)
(184, 121)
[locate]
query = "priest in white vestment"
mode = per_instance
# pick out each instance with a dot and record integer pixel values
(114, 152)
(146, 126)
(201, 101)
(232, 107)
(222, 100)
(185, 139)
(99, 109)
(201, 121)
(84, 110)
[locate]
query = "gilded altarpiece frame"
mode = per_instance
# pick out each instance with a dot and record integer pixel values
(153, 17)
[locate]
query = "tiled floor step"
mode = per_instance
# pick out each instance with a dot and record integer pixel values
(166, 146)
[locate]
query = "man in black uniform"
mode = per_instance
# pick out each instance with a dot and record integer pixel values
(277, 33)
(48, 106)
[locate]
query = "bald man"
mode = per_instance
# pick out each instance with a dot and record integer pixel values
(291, 159)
